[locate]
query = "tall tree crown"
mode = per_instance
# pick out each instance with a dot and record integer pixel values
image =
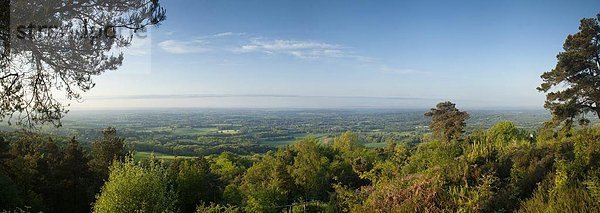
(447, 122)
(573, 87)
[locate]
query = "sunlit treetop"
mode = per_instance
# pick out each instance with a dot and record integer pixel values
(573, 86)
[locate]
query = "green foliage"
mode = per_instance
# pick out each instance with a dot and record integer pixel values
(132, 187)
(447, 122)
(227, 167)
(500, 169)
(346, 143)
(77, 179)
(441, 157)
(344, 199)
(572, 86)
(267, 185)
(496, 170)
(233, 195)
(566, 199)
(217, 208)
(309, 169)
(41, 174)
(193, 183)
(417, 193)
(105, 151)
(503, 133)
(314, 206)
(478, 198)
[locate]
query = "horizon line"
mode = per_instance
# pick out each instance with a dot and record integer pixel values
(499, 108)
(190, 96)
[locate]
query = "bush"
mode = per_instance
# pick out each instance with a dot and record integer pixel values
(132, 187)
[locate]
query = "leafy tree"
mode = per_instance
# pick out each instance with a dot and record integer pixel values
(110, 148)
(22, 168)
(348, 162)
(233, 195)
(573, 86)
(217, 208)
(447, 122)
(343, 173)
(132, 187)
(346, 142)
(503, 133)
(59, 179)
(226, 167)
(48, 168)
(267, 185)
(390, 168)
(77, 180)
(194, 184)
(309, 169)
(47, 47)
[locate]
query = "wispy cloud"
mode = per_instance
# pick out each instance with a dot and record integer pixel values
(302, 49)
(224, 34)
(183, 47)
(243, 43)
(198, 45)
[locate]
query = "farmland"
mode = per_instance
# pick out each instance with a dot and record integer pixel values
(201, 132)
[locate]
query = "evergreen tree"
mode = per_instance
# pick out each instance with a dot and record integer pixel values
(447, 122)
(573, 86)
(110, 148)
(77, 180)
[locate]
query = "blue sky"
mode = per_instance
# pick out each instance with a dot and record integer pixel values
(389, 54)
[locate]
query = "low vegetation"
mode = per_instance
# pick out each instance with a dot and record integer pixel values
(499, 169)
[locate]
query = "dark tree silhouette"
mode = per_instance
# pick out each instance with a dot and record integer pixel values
(106, 150)
(51, 49)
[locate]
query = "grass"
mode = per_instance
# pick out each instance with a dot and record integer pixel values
(143, 155)
(291, 141)
(187, 131)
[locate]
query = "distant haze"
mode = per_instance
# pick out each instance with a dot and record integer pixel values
(279, 101)
(343, 54)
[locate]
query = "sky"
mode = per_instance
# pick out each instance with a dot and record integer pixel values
(342, 54)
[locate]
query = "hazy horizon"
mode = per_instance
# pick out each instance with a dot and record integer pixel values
(277, 102)
(315, 54)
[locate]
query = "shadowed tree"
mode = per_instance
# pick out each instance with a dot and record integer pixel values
(194, 184)
(51, 49)
(104, 152)
(76, 180)
(573, 86)
(447, 122)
